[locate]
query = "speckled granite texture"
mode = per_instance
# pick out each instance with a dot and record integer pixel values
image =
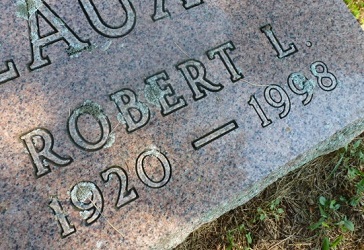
(128, 124)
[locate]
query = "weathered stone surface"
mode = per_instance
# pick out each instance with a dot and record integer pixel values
(230, 96)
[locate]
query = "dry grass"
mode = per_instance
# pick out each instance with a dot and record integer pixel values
(281, 216)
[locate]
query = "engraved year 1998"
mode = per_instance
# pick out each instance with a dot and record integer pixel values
(277, 97)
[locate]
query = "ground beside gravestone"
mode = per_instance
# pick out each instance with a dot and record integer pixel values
(287, 214)
(140, 132)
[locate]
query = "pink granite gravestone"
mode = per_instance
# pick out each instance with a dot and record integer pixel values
(128, 124)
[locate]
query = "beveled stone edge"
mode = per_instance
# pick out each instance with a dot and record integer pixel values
(334, 142)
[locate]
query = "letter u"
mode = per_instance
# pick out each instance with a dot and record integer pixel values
(103, 28)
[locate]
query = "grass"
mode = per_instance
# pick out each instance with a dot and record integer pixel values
(357, 8)
(319, 206)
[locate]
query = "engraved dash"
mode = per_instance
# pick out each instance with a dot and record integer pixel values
(215, 134)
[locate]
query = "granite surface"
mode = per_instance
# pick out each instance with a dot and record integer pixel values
(128, 124)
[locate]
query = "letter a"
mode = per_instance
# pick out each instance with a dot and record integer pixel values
(61, 32)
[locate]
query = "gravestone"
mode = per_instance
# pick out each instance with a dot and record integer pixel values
(128, 124)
